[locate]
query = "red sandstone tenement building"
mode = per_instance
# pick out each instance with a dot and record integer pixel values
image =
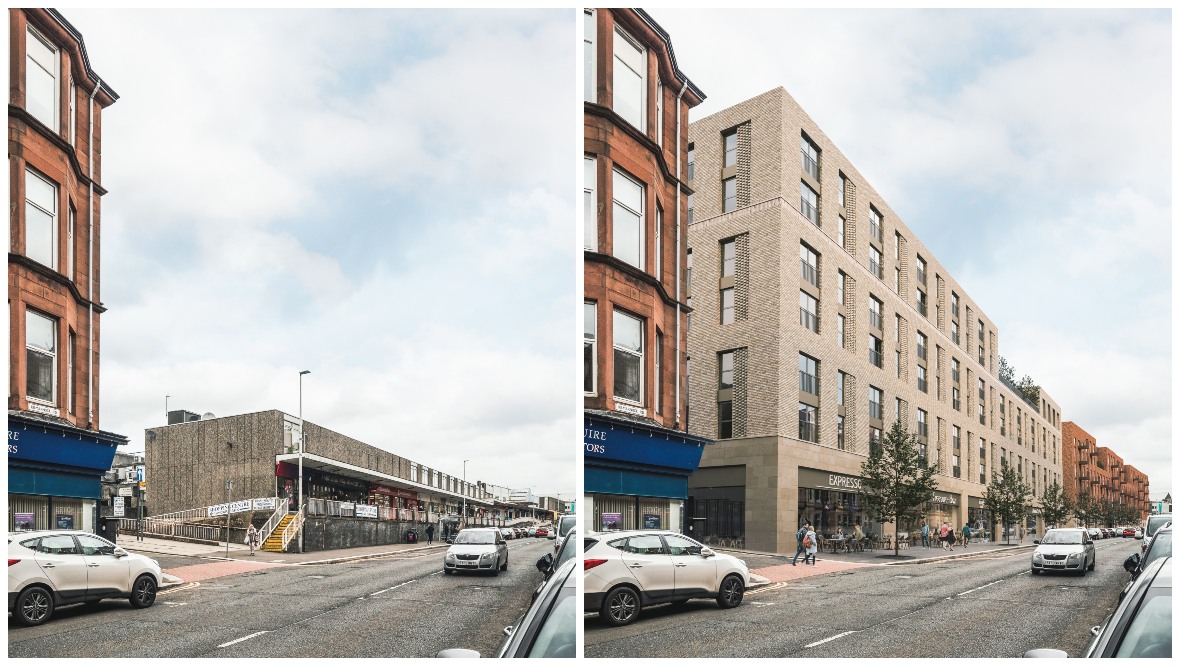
(1097, 471)
(638, 455)
(56, 451)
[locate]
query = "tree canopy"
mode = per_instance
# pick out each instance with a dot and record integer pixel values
(1007, 496)
(896, 481)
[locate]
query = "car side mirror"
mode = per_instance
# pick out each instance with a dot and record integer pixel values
(458, 653)
(1036, 540)
(707, 552)
(1131, 563)
(544, 564)
(119, 552)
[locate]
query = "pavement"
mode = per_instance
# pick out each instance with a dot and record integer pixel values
(215, 563)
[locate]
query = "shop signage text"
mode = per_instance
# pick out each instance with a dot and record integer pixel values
(945, 499)
(264, 503)
(366, 511)
(837, 481)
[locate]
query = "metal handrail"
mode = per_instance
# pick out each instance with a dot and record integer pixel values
(292, 528)
(272, 523)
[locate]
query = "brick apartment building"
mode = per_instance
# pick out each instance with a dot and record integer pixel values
(638, 455)
(818, 318)
(1097, 471)
(57, 453)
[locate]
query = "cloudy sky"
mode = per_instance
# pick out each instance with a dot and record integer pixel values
(1029, 150)
(384, 198)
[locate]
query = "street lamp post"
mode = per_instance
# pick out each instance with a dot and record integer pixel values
(229, 485)
(299, 506)
(464, 514)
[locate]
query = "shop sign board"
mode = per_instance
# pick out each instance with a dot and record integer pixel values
(611, 521)
(239, 506)
(651, 521)
(814, 478)
(24, 521)
(942, 497)
(117, 507)
(347, 506)
(65, 521)
(604, 443)
(124, 491)
(217, 510)
(264, 503)
(366, 511)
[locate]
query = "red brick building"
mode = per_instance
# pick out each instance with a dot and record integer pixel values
(635, 202)
(56, 449)
(1097, 471)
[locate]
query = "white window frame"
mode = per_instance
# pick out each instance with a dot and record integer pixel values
(620, 313)
(659, 112)
(51, 353)
(619, 66)
(590, 187)
(73, 111)
(70, 270)
(730, 242)
(642, 220)
(71, 382)
(659, 243)
(590, 56)
(590, 334)
(658, 379)
(53, 232)
(53, 70)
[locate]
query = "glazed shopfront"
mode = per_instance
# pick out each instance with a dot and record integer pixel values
(829, 501)
(54, 473)
(636, 472)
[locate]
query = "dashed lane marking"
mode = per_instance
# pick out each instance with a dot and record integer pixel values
(830, 638)
(394, 587)
(980, 587)
(243, 638)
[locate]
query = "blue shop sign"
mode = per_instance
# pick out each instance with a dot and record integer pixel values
(36, 444)
(619, 442)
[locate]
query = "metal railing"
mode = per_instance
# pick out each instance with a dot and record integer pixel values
(292, 529)
(810, 166)
(274, 520)
(808, 383)
(808, 432)
(875, 320)
(810, 273)
(875, 357)
(922, 386)
(875, 410)
(808, 320)
(875, 267)
(197, 531)
(809, 211)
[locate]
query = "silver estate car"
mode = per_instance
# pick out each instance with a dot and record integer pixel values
(1064, 550)
(477, 549)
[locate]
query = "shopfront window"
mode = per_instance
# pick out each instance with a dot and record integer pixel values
(830, 509)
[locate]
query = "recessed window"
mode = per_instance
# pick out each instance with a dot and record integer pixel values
(840, 277)
(729, 194)
(728, 257)
(875, 263)
(921, 346)
(809, 264)
(921, 269)
(921, 302)
(73, 111)
(954, 331)
(72, 379)
(841, 378)
(922, 426)
(725, 419)
(589, 203)
(875, 319)
(922, 379)
(875, 224)
(627, 220)
(955, 440)
(874, 439)
(875, 400)
(810, 155)
(808, 416)
(956, 403)
(590, 348)
(688, 216)
(842, 186)
(808, 375)
(809, 203)
(729, 143)
(589, 55)
(840, 329)
(876, 353)
(658, 377)
(40, 357)
(628, 347)
(659, 112)
(630, 82)
(40, 219)
(727, 306)
(725, 368)
(41, 69)
(954, 304)
(842, 232)
(840, 432)
(688, 271)
(808, 312)
(692, 160)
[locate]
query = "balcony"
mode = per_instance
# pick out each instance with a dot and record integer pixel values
(921, 276)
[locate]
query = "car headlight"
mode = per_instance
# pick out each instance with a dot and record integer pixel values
(450, 556)
(1038, 556)
(1074, 556)
(486, 556)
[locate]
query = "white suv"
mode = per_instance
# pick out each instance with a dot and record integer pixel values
(625, 571)
(54, 568)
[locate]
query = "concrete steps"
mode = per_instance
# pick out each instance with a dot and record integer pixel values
(274, 542)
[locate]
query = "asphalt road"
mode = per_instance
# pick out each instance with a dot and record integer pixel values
(394, 607)
(983, 606)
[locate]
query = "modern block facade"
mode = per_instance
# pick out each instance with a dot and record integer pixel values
(635, 202)
(1100, 473)
(57, 452)
(818, 318)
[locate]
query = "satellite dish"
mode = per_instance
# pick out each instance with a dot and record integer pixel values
(207, 415)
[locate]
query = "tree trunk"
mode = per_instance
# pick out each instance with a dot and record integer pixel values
(896, 537)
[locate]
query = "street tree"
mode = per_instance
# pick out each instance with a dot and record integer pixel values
(1007, 496)
(1055, 505)
(1085, 508)
(896, 480)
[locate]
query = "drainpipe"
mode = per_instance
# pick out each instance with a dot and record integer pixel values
(90, 256)
(678, 98)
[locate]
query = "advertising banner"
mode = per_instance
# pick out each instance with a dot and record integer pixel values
(264, 503)
(611, 521)
(217, 510)
(366, 511)
(65, 521)
(25, 521)
(239, 506)
(651, 521)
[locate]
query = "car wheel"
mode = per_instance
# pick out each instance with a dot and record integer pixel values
(505, 567)
(1093, 563)
(731, 592)
(448, 572)
(621, 606)
(1036, 572)
(143, 593)
(34, 606)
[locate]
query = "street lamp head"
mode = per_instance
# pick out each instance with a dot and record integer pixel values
(305, 372)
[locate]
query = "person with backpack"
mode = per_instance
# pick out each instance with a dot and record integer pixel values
(799, 544)
(966, 534)
(925, 534)
(810, 543)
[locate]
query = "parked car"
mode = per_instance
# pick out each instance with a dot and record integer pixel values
(507, 533)
(541, 532)
(1128, 532)
(1068, 549)
(550, 562)
(628, 570)
(1153, 524)
(1141, 625)
(548, 628)
(52, 568)
(1094, 533)
(564, 525)
(1161, 546)
(477, 549)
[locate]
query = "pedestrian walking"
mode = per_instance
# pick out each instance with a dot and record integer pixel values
(966, 534)
(942, 534)
(809, 541)
(430, 534)
(925, 534)
(252, 539)
(799, 544)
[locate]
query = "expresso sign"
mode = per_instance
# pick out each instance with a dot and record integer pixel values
(814, 478)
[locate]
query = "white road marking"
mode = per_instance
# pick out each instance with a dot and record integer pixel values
(313, 576)
(243, 638)
(832, 638)
(175, 603)
(394, 587)
(980, 587)
(436, 573)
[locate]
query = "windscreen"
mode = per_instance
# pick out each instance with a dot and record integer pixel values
(567, 524)
(1161, 546)
(1154, 523)
(475, 537)
(1056, 537)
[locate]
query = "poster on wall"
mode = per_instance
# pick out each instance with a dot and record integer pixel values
(611, 521)
(24, 521)
(651, 521)
(65, 521)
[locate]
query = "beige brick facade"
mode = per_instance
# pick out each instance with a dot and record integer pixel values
(773, 227)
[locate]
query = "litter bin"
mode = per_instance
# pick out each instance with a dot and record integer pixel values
(109, 528)
(411, 536)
